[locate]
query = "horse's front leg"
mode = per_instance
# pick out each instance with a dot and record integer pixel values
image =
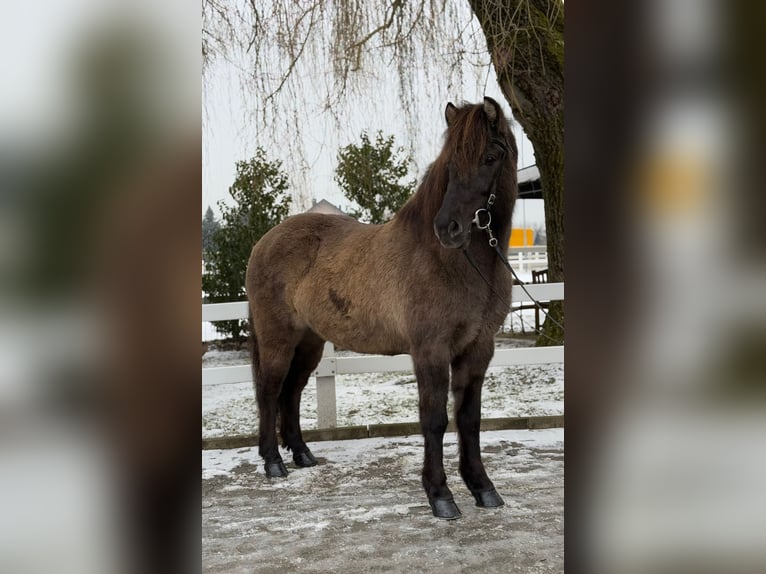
(433, 386)
(468, 372)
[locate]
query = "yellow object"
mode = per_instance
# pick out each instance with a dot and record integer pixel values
(675, 184)
(521, 237)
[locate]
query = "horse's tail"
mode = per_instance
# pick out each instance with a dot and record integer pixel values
(252, 343)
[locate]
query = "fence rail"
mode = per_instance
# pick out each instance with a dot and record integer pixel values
(332, 364)
(528, 257)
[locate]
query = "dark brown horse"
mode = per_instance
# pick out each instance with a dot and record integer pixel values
(402, 287)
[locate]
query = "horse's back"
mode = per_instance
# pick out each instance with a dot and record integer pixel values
(289, 247)
(328, 273)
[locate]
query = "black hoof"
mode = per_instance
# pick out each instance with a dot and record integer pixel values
(304, 459)
(445, 508)
(488, 498)
(275, 469)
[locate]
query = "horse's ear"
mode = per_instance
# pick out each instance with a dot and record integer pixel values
(491, 108)
(449, 113)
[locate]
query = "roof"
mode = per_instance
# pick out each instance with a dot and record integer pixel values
(528, 179)
(529, 173)
(324, 206)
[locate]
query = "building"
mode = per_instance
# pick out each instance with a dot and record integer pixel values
(324, 206)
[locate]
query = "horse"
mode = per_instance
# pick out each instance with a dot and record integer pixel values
(419, 284)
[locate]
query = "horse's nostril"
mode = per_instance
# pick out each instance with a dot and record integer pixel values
(454, 228)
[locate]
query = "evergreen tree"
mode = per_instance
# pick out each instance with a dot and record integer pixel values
(261, 201)
(209, 226)
(370, 174)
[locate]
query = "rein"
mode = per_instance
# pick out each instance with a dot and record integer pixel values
(477, 220)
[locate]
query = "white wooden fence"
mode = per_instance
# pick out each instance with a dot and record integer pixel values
(528, 257)
(332, 365)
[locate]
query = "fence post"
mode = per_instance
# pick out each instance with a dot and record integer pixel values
(327, 416)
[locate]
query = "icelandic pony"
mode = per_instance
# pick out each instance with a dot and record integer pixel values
(402, 287)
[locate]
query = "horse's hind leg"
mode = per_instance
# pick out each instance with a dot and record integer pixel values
(274, 359)
(467, 380)
(307, 355)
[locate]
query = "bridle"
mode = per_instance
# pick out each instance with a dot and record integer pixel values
(485, 211)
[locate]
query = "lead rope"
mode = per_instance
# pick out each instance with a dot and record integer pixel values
(493, 243)
(523, 288)
(470, 259)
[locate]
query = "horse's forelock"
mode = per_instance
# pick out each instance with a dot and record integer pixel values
(468, 135)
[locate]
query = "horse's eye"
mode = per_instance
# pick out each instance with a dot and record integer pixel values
(490, 159)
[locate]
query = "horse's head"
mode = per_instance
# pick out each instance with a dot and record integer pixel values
(480, 154)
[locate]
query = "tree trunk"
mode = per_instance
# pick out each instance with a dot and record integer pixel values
(525, 39)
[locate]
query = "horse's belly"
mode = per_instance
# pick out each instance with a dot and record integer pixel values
(353, 327)
(370, 344)
(360, 337)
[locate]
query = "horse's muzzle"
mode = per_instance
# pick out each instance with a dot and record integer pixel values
(453, 235)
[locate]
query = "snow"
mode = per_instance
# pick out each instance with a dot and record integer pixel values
(365, 500)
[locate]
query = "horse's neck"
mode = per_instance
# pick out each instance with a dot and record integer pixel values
(417, 216)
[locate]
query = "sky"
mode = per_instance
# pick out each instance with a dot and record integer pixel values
(230, 134)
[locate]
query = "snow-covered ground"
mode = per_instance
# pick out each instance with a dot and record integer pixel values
(376, 398)
(350, 453)
(363, 509)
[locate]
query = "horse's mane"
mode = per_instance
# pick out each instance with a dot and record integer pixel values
(465, 142)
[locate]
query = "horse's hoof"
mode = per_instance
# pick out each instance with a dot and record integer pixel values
(488, 498)
(304, 459)
(275, 469)
(445, 508)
